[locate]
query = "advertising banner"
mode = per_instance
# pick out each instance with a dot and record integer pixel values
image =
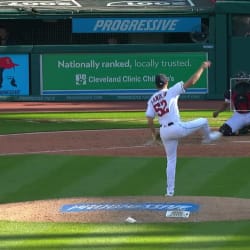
(14, 74)
(138, 25)
(117, 73)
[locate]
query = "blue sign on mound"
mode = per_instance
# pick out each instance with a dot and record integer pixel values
(159, 206)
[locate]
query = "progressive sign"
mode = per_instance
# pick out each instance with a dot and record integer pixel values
(138, 25)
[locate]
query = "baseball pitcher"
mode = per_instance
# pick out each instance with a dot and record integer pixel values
(164, 105)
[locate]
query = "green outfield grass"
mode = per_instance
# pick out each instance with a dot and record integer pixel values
(36, 122)
(171, 236)
(60, 176)
(35, 177)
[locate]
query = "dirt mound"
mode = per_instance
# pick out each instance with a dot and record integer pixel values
(144, 209)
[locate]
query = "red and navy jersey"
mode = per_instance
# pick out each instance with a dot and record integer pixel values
(240, 97)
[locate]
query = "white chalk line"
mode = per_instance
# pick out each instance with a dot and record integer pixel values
(241, 141)
(73, 150)
(72, 131)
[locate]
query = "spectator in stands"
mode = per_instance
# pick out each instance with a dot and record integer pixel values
(241, 26)
(4, 36)
(113, 40)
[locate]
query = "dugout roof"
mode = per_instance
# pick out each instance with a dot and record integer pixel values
(76, 7)
(233, 6)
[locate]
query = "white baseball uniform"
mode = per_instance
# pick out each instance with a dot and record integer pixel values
(164, 105)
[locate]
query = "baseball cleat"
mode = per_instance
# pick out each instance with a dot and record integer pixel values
(213, 136)
(169, 194)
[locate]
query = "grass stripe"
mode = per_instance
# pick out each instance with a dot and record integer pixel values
(146, 174)
(213, 176)
(228, 176)
(53, 176)
(178, 236)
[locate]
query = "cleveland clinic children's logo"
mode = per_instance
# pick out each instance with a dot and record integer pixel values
(6, 63)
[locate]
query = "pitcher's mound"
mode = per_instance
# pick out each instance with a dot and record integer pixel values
(142, 209)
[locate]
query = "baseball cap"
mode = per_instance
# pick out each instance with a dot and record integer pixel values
(160, 80)
(7, 63)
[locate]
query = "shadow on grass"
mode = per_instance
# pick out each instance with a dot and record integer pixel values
(163, 238)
